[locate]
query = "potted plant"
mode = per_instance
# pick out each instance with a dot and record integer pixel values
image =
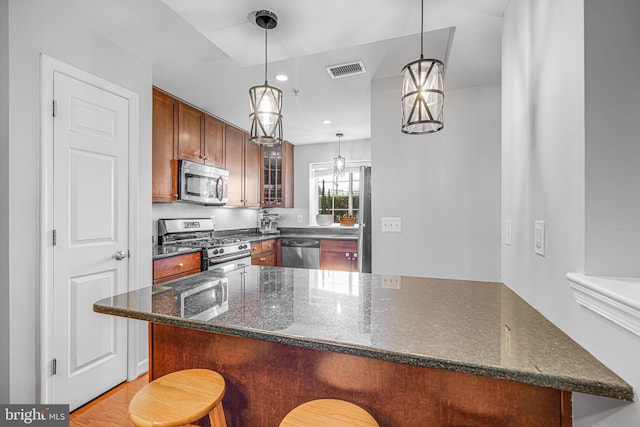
(347, 220)
(324, 217)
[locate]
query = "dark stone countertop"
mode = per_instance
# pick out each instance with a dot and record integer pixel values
(160, 252)
(480, 328)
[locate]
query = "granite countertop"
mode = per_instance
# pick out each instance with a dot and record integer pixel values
(481, 328)
(252, 235)
(160, 252)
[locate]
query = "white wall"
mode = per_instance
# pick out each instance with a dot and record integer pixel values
(4, 207)
(543, 177)
(37, 26)
(445, 186)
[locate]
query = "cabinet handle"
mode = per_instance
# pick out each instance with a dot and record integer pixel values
(355, 255)
(263, 259)
(206, 158)
(180, 265)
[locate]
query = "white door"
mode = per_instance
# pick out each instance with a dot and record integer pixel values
(90, 216)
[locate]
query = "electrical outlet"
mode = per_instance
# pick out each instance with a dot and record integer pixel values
(390, 281)
(299, 219)
(507, 232)
(538, 233)
(391, 224)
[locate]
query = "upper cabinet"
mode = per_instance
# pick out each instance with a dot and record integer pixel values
(165, 147)
(257, 176)
(277, 176)
(243, 164)
(214, 146)
(200, 137)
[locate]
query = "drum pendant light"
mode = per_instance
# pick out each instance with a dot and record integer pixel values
(266, 101)
(338, 162)
(422, 92)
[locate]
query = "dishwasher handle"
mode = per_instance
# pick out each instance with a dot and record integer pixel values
(301, 243)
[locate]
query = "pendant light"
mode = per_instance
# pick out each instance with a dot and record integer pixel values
(422, 92)
(338, 162)
(266, 101)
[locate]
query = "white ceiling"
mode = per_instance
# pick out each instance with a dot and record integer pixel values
(209, 52)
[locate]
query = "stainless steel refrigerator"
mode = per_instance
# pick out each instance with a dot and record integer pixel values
(364, 220)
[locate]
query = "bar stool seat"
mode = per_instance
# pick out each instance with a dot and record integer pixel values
(328, 412)
(180, 398)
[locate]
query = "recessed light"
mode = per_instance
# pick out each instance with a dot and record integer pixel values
(281, 77)
(326, 122)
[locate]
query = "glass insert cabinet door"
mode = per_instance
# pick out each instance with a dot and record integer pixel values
(272, 194)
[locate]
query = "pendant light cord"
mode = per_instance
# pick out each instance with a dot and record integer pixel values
(421, 29)
(265, 53)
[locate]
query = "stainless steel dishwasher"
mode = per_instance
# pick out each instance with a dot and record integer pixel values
(300, 252)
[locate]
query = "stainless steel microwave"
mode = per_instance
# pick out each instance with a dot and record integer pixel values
(203, 184)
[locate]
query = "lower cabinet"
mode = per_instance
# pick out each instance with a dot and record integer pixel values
(340, 255)
(165, 269)
(264, 253)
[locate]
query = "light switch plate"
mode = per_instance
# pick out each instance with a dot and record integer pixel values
(538, 237)
(391, 224)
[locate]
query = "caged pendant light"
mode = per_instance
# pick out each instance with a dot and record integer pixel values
(338, 162)
(422, 92)
(266, 101)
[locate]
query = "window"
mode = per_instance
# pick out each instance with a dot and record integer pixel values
(337, 189)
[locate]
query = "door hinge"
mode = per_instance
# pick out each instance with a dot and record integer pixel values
(54, 366)
(55, 108)
(55, 237)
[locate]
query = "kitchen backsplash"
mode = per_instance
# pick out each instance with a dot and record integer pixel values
(225, 218)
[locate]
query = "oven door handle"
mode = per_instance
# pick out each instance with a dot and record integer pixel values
(214, 261)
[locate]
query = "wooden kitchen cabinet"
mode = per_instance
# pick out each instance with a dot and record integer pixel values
(190, 137)
(200, 137)
(264, 252)
(276, 178)
(340, 255)
(164, 147)
(243, 164)
(214, 146)
(181, 132)
(165, 269)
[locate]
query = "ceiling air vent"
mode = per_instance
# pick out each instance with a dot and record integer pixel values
(348, 69)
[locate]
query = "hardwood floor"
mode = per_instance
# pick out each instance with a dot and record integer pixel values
(109, 409)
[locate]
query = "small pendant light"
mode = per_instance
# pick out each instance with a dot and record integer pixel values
(338, 162)
(266, 101)
(422, 92)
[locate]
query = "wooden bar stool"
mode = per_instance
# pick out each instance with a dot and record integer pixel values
(180, 398)
(328, 412)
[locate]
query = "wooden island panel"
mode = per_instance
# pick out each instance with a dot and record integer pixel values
(266, 380)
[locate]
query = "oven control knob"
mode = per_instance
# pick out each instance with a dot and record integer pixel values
(215, 252)
(221, 250)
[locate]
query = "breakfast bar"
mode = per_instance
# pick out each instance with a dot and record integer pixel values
(410, 350)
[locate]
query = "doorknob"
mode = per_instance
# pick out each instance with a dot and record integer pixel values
(120, 255)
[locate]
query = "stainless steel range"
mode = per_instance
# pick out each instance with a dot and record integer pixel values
(217, 252)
